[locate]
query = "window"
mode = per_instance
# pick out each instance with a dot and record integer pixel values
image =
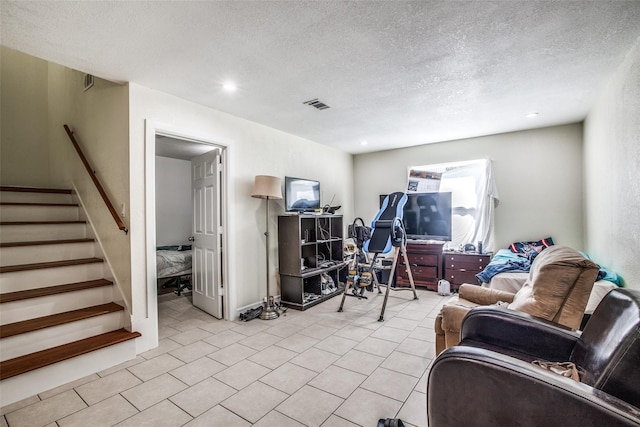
(473, 195)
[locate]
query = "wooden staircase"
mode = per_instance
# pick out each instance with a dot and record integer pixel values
(59, 321)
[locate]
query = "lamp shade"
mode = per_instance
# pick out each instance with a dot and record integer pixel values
(267, 187)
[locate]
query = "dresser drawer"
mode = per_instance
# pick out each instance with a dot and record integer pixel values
(461, 261)
(421, 259)
(419, 273)
(465, 265)
(457, 277)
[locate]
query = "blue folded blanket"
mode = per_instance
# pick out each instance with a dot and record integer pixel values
(503, 265)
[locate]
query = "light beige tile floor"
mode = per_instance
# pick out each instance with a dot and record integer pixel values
(312, 368)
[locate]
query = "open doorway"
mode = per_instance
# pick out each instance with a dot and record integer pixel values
(188, 264)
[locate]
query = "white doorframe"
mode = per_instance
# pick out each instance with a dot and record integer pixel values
(152, 129)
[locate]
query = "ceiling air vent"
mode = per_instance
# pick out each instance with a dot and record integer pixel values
(88, 81)
(317, 104)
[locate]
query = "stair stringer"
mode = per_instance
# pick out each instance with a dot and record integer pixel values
(143, 320)
(117, 291)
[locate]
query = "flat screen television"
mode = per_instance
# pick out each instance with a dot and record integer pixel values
(301, 195)
(427, 216)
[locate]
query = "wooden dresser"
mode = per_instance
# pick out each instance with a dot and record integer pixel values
(425, 260)
(460, 267)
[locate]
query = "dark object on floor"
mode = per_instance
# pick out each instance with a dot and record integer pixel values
(390, 422)
(251, 314)
(491, 371)
(181, 283)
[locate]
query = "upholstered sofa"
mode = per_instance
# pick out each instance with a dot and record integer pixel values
(557, 289)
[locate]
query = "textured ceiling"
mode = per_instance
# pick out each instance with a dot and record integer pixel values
(395, 73)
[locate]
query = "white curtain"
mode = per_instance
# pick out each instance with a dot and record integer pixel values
(474, 199)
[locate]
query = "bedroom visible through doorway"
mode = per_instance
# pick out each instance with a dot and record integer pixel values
(183, 267)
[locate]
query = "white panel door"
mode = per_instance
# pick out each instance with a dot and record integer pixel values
(207, 277)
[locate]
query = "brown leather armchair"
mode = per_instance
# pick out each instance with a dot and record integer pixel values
(557, 289)
(489, 380)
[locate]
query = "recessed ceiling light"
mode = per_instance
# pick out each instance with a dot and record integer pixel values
(532, 115)
(363, 142)
(229, 87)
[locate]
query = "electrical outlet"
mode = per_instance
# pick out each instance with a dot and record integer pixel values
(122, 211)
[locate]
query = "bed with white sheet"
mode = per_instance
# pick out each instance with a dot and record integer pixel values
(174, 262)
(512, 277)
(512, 282)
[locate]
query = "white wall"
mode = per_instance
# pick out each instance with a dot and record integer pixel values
(23, 120)
(538, 174)
(253, 149)
(173, 201)
(98, 118)
(612, 164)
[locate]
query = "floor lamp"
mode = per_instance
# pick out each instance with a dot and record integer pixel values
(267, 187)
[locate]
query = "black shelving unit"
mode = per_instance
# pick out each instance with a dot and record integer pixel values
(310, 258)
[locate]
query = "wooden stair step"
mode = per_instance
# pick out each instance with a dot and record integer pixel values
(75, 205)
(52, 264)
(29, 362)
(42, 222)
(53, 290)
(31, 325)
(34, 189)
(44, 242)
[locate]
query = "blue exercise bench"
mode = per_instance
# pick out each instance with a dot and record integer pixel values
(386, 233)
